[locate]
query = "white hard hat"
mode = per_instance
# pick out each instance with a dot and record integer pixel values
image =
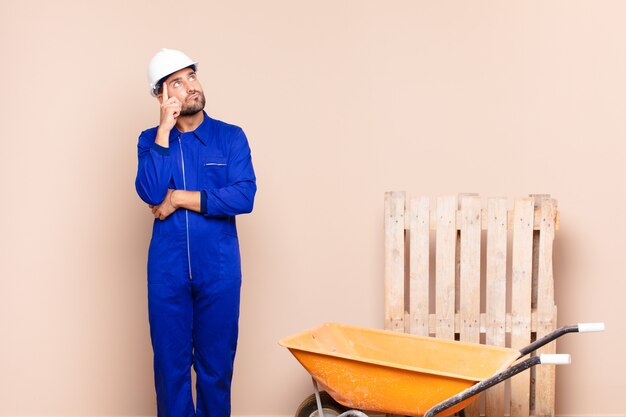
(164, 63)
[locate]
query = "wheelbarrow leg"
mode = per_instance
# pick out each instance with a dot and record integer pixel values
(320, 409)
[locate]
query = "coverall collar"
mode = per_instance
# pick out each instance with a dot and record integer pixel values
(202, 132)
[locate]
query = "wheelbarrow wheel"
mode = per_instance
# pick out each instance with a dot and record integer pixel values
(330, 407)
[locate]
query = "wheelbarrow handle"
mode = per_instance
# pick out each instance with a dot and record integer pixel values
(556, 359)
(573, 328)
(547, 359)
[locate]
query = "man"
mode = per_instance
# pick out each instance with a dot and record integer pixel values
(196, 175)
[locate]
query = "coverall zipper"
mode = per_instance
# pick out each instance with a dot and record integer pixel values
(182, 162)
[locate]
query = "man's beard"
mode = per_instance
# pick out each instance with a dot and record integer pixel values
(193, 107)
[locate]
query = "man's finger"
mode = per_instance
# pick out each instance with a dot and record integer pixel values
(165, 96)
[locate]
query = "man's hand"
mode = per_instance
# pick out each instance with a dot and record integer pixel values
(163, 210)
(170, 110)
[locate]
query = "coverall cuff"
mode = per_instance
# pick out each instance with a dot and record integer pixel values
(203, 198)
(161, 150)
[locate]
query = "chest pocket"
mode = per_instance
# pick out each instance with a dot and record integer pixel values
(214, 172)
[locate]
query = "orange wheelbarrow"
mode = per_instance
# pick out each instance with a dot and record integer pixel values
(395, 373)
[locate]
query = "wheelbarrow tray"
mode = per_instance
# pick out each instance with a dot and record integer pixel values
(391, 372)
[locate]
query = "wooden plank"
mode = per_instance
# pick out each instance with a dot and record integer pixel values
(483, 322)
(419, 254)
(484, 224)
(533, 297)
(469, 277)
(457, 272)
(445, 266)
(470, 270)
(546, 317)
(495, 293)
(521, 287)
(394, 261)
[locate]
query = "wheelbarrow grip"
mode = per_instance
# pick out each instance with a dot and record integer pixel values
(590, 327)
(555, 359)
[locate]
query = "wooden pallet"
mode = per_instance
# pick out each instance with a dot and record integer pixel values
(491, 282)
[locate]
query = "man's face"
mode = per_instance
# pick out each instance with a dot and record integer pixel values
(184, 85)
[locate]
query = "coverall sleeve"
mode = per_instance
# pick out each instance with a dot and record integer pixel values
(154, 170)
(238, 196)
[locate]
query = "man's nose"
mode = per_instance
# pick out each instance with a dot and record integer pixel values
(188, 86)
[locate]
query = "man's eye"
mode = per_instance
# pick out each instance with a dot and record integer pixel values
(192, 77)
(176, 84)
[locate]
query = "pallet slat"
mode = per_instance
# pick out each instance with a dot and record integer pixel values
(521, 286)
(469, 277)
(484, 224)
(445, 265)
(470, 270)
(483, 323)
(419, 264)
(394, 261)
(495, 292)
(545, 375)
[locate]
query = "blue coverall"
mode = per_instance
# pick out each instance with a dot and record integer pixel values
(194, 269)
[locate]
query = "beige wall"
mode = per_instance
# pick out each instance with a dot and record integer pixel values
(341, 100)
